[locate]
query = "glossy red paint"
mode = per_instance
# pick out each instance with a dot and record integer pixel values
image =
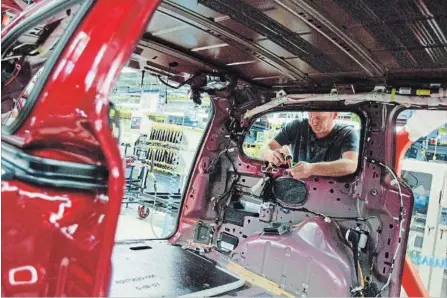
(68, 237)
(412, 282)
(12, 6)
(60, 230)
(403, 143)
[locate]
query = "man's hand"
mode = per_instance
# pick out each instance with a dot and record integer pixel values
(301, 170)
(338, 168)
(276, 157)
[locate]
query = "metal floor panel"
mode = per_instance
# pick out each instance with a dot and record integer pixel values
(163, 270)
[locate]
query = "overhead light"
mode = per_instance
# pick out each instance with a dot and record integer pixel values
(266, 78)
(128, 70)
(241, 63)
(221, 18)
(169, 30)
(220, 45)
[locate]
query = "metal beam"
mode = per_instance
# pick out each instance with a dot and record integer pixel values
(175, 51)
(256, 20)
(196, 20)
(365, 60)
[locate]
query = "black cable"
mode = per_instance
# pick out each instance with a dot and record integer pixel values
(415, 178)
(212, 165)
(171, 86)
(342, 218)
(232, 163)
(180, 84)
(236, 177)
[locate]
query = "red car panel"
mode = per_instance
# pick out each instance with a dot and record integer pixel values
(73, 230)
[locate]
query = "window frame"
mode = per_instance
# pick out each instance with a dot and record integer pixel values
(364, 125)
(33, 20)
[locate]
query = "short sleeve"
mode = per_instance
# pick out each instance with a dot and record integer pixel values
(350, 141)
(288, 133)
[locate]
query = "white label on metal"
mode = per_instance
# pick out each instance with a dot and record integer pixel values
(406, 91)
(227, 245)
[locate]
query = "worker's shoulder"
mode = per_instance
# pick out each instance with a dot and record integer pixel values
(297, 123)
(344, 129)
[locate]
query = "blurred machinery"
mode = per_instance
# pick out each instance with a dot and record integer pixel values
(156, 164)
(427, 242)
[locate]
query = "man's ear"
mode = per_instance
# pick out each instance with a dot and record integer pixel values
(334, 115)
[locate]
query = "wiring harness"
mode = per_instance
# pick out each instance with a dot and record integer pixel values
(400, 222)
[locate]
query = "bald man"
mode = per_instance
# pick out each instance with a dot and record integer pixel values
(320, 147)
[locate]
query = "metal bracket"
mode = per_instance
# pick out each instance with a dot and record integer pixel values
(266, 212)
(344, 89)
(203, 233)
(379, 89)
(280, 94)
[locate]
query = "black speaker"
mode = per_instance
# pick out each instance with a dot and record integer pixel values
(287, 191)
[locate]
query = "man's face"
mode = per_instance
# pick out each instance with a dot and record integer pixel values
(322, 122)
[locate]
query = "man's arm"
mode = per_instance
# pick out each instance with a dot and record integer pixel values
(342, 167)
(272, 153)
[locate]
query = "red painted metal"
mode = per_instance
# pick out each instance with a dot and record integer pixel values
(67, 239)
(68, 236)
(403, 143)
(412, 282)
(12, 6)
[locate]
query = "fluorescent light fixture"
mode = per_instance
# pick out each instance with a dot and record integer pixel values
(399, 128)
(241, 63)
(169, 30)
(220, 45)
(221, 18)
(266, 78)
(128, 70)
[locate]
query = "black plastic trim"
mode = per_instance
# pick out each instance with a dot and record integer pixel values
(9, 39)
(43, 171)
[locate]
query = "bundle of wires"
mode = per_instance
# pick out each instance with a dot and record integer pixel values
(400, 221)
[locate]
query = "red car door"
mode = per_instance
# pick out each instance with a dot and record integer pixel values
(62, 174)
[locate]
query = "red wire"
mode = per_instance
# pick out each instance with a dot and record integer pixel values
(17, 69)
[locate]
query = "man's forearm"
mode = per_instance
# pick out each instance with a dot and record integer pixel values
(263, 151)
(338, 168)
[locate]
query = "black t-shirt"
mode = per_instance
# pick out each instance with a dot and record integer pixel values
(306, 147)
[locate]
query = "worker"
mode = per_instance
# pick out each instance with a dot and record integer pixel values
(318, 146)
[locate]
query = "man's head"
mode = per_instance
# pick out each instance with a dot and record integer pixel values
(322, 123)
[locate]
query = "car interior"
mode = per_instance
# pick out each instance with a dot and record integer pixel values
(243, 226)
